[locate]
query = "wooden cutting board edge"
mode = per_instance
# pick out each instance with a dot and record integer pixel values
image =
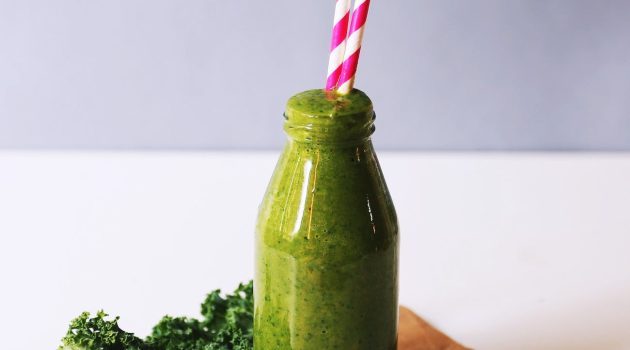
(414, 333)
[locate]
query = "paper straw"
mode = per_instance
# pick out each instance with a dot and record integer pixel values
(338, 42)
(353, 46)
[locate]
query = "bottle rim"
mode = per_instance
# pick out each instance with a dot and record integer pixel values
(324, 117)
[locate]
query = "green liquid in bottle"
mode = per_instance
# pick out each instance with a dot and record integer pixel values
(327, 234)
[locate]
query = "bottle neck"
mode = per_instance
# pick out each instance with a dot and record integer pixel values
(325, 119)
(340, 146)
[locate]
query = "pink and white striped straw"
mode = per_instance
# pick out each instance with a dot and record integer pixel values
(338, 43)
(353, 47)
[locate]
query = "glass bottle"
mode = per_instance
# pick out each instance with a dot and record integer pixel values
(327, 234)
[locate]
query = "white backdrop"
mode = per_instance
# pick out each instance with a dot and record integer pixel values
(484, 74)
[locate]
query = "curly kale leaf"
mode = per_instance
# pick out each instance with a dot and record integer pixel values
(98, 333)
(233, 312)
(178, 333)
(226, 324)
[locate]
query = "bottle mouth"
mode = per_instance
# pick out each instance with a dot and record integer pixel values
(325, 117)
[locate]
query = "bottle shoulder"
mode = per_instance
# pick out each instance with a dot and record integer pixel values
(333, 197)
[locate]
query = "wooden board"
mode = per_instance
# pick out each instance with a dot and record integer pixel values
(414, 333)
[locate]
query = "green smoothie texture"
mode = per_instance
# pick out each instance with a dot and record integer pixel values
(327, 234)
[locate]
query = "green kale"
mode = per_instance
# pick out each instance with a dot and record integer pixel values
(98, 333)
(178, 333)
(235, 312)
(226, 324)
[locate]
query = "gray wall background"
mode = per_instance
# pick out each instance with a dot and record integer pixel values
(444, 75)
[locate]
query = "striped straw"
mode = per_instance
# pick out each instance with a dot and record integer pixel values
(353, 48)
(338, 43)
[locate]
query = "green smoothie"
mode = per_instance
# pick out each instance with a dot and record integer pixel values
(327, 234)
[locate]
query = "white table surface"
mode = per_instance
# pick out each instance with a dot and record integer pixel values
(501, 251)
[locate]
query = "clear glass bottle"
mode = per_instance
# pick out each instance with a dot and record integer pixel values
(327, 234)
